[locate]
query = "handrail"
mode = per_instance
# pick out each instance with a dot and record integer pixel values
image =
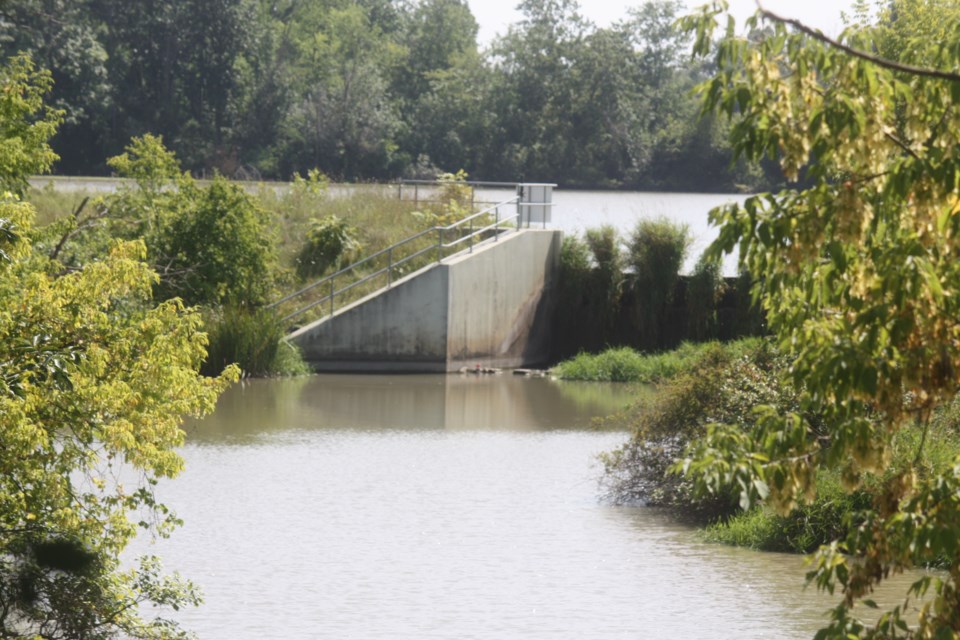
(330, 296)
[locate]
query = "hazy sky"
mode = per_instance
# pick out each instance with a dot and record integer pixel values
(495, 15)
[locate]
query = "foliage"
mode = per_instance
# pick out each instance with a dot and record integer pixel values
(93, 384)
(26, 124)
(626, 365)
(828, 517)
(377, 90)
(253, 340)
(608, 297)
(330, 242)
(656, 252)
(715, 382)
(454, 201)
(859, 281)
(705, 287)
(835, 510)
(217, 250)
(606, 281)
(210, 245)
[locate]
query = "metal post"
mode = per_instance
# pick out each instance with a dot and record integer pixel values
(439, 244)
(496, 225)
(389, 267)
(519, 206)
(331, 296)
(471, 235)
(416, 193)
(400, 191)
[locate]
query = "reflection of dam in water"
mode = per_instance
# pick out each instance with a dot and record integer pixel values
(410, 402)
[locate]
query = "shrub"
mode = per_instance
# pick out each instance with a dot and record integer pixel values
(627, 365)
(210, 245)
(217, 249)
(722, 384)
(834, 512)
(606, 283)
(331, 241)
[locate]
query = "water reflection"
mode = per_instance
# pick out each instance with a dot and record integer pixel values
(438, 507)
(413, 402)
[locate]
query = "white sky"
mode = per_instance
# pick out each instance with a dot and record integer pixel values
(494, 16)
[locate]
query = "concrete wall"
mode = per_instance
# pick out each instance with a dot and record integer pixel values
(490, 307)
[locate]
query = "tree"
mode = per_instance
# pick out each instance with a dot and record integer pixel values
(859, 279)
(174, 67)
(438, 33)
(343, 121)
(94, 384)
(210, 245)
(26, 124)
(62, 37)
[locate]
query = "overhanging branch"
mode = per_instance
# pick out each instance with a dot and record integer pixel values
(816, 34)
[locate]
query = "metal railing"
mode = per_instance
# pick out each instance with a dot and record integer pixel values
(355, 275)
(431, 187)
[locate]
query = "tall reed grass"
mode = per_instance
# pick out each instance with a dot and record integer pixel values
(253, 339)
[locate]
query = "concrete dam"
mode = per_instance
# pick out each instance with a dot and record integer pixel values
(490, 306)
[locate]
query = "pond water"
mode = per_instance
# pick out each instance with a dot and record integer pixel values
(430, 506)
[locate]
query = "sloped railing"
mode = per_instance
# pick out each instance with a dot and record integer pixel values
(381, 269)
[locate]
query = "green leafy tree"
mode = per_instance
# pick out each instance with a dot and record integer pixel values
(94, 383)
(342, 121)
(437, 34)
(26, 124)
(859, 279)
(210, 245)
(62, 37)
(174, 67)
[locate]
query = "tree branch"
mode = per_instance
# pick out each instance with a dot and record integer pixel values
(900, 143)
(816, 34)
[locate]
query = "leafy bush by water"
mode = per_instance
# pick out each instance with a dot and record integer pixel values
(724, 383)
(721, 383)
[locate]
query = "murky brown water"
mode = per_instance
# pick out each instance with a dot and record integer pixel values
(383, 507)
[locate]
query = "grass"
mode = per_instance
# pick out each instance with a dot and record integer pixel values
(253, 340)
(627, 365)
(52, 203)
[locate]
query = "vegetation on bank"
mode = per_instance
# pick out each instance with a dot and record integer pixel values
(845, 433)
(699, 385)
(624, 364)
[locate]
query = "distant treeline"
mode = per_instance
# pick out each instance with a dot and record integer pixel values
(377, 89)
